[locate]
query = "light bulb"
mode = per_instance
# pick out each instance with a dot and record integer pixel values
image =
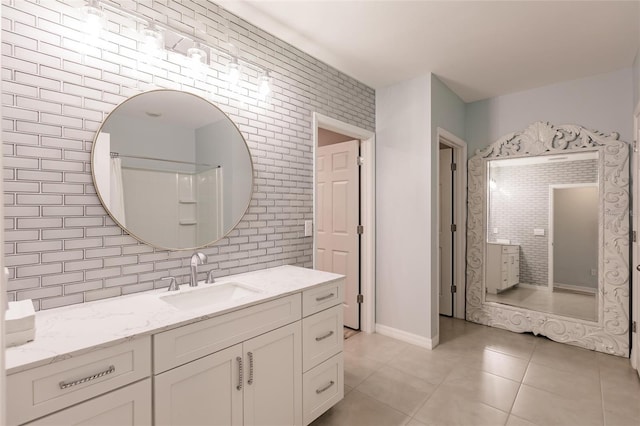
(198, 58)
(152, 40)
(264, 88)
(94, 20)
(233, 75)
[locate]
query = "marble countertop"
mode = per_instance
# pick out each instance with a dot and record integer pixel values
(64, 332)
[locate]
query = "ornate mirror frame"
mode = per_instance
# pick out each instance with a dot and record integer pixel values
(610, 333)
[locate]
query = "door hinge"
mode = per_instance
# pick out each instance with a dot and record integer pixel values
(360, 229)
(454, 228)
(454, 167)
(454, 288)
(634, 236)
(360, 160)
(635, 146)
(360, 298)
(634, 327)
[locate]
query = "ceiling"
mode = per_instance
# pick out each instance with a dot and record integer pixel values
(480, 49)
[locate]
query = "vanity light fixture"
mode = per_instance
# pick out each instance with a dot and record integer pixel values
(264, 86)
(158, 37)
(198, 60)
(94, 20)
(152, 40)
(233, 74)
(197, 54)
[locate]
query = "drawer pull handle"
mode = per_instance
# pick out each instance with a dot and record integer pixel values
(328, 296)
(329, 334)
(66, 385)
(322, 389)
(240, 378)
(250, 355)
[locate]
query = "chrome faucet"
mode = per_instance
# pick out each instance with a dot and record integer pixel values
(196, 258)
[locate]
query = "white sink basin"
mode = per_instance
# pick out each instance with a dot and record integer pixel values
(209, 295)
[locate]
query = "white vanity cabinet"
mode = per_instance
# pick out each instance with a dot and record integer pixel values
(503, 267)
(272, 361)
(53, 388)
(323, 341)
(256, 382)
(129, 406)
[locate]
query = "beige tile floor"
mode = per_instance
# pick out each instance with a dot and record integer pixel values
(482, 376)
(574, 305)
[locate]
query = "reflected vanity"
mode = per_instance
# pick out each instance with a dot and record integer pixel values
(548, 236)
(172, 170)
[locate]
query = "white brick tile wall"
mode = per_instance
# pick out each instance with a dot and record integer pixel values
(62, 247)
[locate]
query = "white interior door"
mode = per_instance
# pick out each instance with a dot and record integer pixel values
(337, 217)
(445, 249)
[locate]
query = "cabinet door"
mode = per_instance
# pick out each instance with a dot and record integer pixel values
(202, 392)
(514, 269)
(129, 406)
(273, 378)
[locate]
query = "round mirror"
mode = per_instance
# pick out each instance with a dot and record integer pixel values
(172, 170)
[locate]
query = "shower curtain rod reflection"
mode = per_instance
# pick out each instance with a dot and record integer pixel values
(116, 155)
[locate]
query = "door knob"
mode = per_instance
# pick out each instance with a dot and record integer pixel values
(638, 268)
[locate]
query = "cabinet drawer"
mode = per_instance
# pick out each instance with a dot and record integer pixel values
(43, 390)
(322, 388)
(322, 297)
(184, 344)
(322, 336)
(129, 406)
(510, 249)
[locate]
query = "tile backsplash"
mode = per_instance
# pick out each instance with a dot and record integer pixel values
(61, 246)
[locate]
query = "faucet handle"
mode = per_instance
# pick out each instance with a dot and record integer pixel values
(210, 279)
(173, 285)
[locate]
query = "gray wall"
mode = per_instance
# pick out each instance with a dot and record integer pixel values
(149, 137)
(636, 79)
(575, 236)
(602, 102)
(447, 112)
(403, 207)
(62, 247)
(520, 204)
(220, 141)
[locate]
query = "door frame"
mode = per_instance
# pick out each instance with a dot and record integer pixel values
(460, 215)
(550, 249)
(367, 210)
(635, 225)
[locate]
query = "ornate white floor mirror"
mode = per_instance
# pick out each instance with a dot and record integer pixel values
(528, 273)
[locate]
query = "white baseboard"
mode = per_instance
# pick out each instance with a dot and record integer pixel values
(533, 287)
(576, 288)
(407, 337)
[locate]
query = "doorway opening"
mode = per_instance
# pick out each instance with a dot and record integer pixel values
(344, 217)
(452, 184)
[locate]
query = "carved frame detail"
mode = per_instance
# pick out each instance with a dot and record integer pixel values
(610, 333)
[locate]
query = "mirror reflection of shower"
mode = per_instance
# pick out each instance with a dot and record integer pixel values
(543, 234)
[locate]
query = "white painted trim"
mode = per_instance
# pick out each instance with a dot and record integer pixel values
(635, 225)
(534, 287)
(552, 188)
(575, 288)
(3, 293)
(404, 336)
(460, 213)
(368, 216)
